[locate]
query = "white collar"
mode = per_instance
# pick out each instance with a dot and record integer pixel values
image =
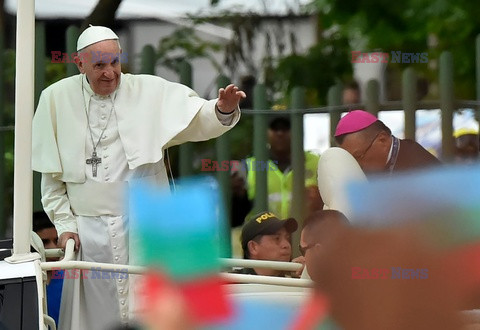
(91, 93)
(390, 152)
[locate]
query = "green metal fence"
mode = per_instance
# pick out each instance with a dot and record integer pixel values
(261, 113)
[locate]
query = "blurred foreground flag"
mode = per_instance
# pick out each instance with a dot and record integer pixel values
(257, 314)
(178, 235)
(443, 202)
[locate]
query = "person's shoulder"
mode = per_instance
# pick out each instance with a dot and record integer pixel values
(311, 156)
(414, 148)
(143, 79)
(408, 143)
(63, 84)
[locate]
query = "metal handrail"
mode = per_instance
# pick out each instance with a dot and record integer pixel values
(69, 250)
(68, 262)
(88, 265)
(385, 106)
(272, 280)
(278, 265)
(131, 269)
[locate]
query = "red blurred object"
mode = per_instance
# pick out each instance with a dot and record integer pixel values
(313, 313)
(206, 299)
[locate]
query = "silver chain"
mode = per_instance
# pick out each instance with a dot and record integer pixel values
(88, 120)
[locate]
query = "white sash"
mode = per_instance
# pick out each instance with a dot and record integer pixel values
(96, 198)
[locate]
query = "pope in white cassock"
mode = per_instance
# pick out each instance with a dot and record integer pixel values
(95, 132)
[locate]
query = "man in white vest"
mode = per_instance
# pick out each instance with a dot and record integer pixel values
(94, 133)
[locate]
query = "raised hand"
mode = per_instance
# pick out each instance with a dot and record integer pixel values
(228, 98)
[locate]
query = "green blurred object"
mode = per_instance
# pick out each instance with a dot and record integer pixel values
(181, 234)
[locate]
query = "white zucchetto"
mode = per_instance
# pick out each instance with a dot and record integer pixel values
(94, 34)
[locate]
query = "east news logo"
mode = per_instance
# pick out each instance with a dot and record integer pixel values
(397, 57)
(392, 273)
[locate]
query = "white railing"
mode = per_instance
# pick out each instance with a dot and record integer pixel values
(278, 265)
(68, 262)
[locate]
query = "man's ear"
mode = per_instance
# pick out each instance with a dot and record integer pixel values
(252, 248)
(384, 137)
(80, 60)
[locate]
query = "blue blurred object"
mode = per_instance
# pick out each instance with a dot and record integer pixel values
(259, 315)
(444, 200)
(181, 233)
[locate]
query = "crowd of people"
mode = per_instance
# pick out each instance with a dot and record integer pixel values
(89, 144)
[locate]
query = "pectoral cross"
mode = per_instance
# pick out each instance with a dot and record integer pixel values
(94, 161)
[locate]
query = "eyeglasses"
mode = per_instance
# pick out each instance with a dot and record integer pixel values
(303, 249)
(368, 148)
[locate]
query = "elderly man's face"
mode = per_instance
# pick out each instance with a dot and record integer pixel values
(371, 153)
(275, 247)
(101, 64)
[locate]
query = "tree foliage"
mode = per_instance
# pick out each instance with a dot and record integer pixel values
(429, 26)
(184, 45)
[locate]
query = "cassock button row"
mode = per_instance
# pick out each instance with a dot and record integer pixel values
(102, 105)
(105, 148)
(103, 117)
(120, 280)
(104, 137)
(107, 179)
(122, 302)
(120, 291)
(114, 247)
(116, 258)
(105, 167)
(124, 315)
(105, 156)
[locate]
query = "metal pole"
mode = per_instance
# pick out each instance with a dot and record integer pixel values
(409, 100)
(73, 33)
(298, 162)
(334, 97)
(373, 92)
(24, 102)
(186, 149)
(477, 62)
(260, 150)
(39, 86)
(222, 146)
(3, 216)
(447, 104)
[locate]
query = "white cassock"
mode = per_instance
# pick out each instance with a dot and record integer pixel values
(144, 116)
(336, 169)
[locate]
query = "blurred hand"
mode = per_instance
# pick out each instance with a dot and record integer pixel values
(299, 260)
(62, 240)
(162, 305)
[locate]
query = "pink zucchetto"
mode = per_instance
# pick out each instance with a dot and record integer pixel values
(354, 121)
